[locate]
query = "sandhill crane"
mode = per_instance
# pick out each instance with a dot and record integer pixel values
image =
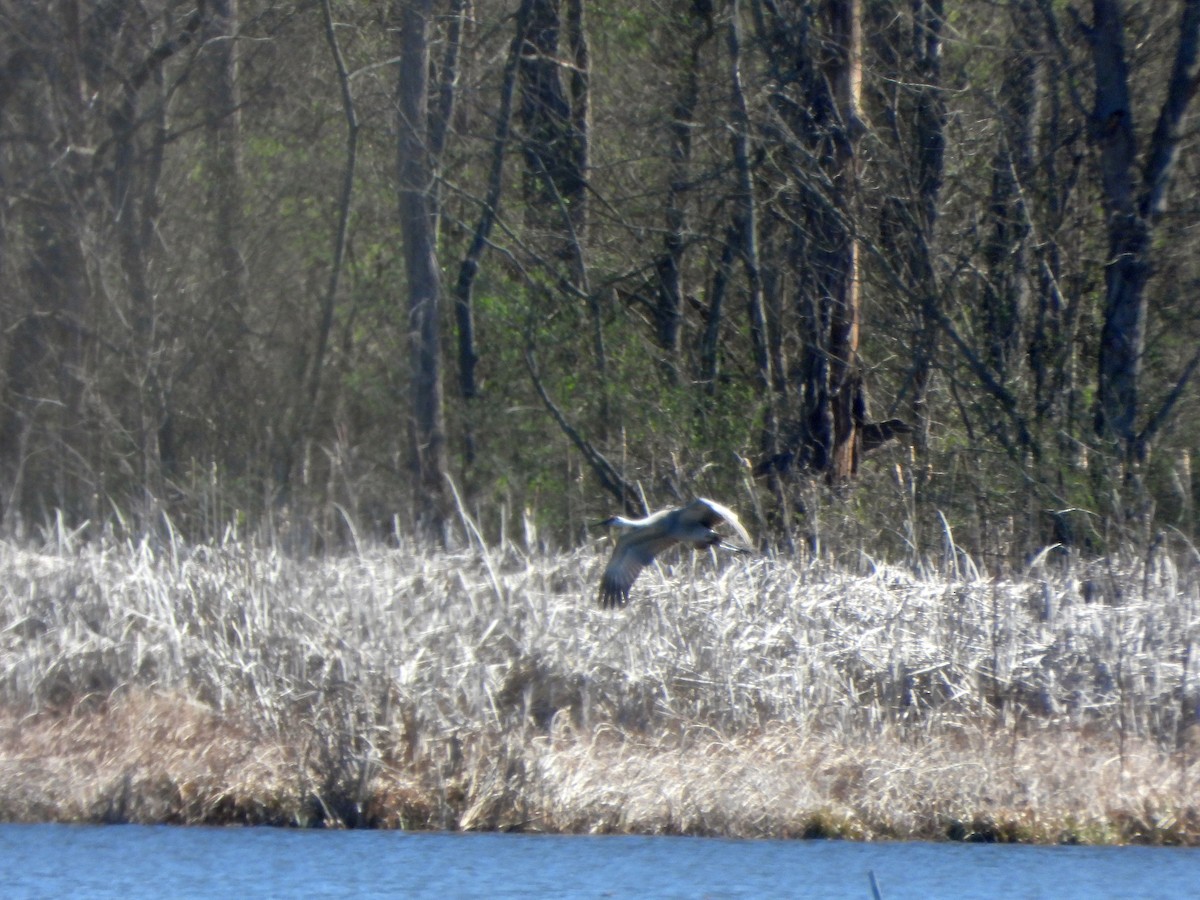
(643, 539)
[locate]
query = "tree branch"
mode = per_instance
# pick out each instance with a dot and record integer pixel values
(169, 47)
(464, 307)
(1163, 412)
(344, 207)
(1164, 143)
(610, 479)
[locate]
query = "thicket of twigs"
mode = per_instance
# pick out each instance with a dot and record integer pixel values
(483, 688)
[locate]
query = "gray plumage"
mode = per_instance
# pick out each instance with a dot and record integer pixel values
(643, 539)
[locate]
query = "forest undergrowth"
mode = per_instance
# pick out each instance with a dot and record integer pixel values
(483, 688)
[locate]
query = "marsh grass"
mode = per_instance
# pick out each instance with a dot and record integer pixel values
(484, 689)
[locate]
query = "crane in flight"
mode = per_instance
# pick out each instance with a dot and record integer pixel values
(643, 539)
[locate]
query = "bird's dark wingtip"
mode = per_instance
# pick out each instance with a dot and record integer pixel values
(611, 598)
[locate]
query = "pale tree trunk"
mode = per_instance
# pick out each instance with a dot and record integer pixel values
(418, 223)
(843, 70)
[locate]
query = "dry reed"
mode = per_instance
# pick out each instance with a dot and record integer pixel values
(484, 689)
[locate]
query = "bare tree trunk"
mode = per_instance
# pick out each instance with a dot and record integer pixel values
(134, 208)
(1006, 299)
(553, 115)
(336, 262)
(1132, 209)
(464, 287)
(442, 111)
(1011, 310)
(223, 132)
(1054, 352)
(1132, 214)
(418, 222)
(41, 434)
(554, 125)
(1127, 270)
(930, 153)
(669, 307)
(844, 72)
(746, 231)
(710, 357)
(581, 124)
(816, 77)
(909, 222)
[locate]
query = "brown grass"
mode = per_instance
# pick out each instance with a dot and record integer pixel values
(483, 689)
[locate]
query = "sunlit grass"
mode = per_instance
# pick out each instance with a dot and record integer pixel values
(484, 688)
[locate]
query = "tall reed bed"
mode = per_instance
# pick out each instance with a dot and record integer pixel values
(484, 688)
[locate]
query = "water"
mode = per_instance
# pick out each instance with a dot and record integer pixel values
(129, 861)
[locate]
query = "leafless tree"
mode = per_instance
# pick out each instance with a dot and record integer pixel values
(418, 222)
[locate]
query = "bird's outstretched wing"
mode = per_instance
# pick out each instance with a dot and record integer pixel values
(710, 513)
(644, 539)
(632, 554)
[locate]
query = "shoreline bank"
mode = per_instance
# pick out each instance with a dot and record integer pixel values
(485, 690)
(148, 758)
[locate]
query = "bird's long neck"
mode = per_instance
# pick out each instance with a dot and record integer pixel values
(622, 522)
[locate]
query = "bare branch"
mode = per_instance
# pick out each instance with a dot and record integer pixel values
(610, 479)
(1164, 143)
(1163, 413)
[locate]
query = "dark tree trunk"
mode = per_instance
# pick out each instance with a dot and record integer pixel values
(930, 140)
(134, 200)
(553, 114)
(230, 288)
(1128, 268)
(710, 358)
(418, 223)
(345, 198)
(817, 77)
(745, 232)
(96, 117)
(468, 270)
(668, 311)
(1006, 300)
(1132, 208)
(43, 459)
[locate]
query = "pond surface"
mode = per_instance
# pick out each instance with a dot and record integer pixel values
(130, 861)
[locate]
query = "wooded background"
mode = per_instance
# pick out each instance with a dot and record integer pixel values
(885, 276)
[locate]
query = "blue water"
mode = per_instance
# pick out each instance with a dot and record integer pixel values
(131, 861)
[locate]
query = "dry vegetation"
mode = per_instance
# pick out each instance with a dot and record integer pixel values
(483, 689)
